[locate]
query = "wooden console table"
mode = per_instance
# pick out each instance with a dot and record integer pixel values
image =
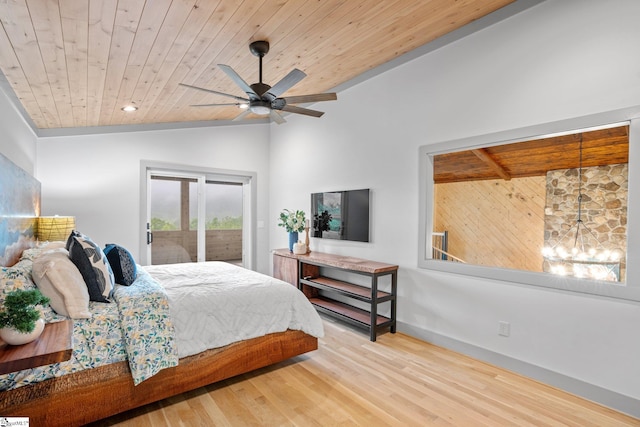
(54, 345)
(311, 273)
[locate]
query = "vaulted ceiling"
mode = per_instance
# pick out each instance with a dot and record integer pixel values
(76, 63)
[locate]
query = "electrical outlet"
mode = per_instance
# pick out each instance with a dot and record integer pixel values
(504, 329)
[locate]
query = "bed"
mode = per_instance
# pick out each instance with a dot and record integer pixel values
(182, 326)
(96, 384)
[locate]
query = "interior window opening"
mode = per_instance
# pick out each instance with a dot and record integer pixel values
(555, 205)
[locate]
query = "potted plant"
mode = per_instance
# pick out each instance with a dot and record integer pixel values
(20, 320)
(294, 223)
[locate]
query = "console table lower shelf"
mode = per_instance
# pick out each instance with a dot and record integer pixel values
(348, 313)
(312, 274)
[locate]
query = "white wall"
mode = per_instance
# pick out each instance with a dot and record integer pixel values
(17, 140)
(558, 60)
(96, 178)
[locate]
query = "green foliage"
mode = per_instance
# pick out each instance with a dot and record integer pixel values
(19, 310)
(158, 224)
(226, 223)
(292, 221)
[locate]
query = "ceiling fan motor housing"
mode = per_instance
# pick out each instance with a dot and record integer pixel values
(260, 88)
(278, 103)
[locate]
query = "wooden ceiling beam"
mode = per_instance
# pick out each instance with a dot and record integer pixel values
(483, 155)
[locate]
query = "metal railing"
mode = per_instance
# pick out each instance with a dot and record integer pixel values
(445, 256)
(440, 246)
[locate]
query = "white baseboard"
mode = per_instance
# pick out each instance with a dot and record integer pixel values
(611, 399)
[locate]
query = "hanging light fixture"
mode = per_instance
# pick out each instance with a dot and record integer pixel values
(578, 252)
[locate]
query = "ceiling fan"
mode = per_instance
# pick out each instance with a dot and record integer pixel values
(263, 99)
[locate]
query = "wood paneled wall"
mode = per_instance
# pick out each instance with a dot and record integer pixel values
(494, 222)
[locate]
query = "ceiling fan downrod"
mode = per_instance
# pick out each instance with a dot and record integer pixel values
(259, 48)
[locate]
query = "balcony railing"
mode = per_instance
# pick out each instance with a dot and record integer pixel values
(177, 246)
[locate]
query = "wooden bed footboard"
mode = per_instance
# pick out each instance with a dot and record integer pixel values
(86, 396)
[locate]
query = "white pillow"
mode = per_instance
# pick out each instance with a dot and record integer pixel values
(58, 278)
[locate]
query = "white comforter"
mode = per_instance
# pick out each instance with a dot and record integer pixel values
(214, 304)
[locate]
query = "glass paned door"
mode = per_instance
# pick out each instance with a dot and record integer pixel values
(172, 240)
(194, 219)
(223, 227)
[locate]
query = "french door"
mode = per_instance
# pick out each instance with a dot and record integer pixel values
(197, 216)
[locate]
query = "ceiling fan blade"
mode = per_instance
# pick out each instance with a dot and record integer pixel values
(214, 91)
(238, 80)
(277, 117)
(241, 115)
(300, 110)
(216, 105)
(285, 84)
(317, 97)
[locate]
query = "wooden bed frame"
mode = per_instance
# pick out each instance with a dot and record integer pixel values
(93, 394)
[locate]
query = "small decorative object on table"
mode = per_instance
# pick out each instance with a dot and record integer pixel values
(299, 248)
(294, 223)
(20, 321)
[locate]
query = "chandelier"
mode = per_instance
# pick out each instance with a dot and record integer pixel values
(579, 253)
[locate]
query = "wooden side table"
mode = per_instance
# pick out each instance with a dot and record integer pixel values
(54, 345)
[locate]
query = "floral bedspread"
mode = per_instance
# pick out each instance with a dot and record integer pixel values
(146, 327)
(137, 327)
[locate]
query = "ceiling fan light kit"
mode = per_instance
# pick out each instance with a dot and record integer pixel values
(263, 99)
(260, 108)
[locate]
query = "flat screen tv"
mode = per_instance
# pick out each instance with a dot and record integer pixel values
(342, 215)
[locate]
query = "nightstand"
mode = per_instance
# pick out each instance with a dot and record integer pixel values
(54, 345)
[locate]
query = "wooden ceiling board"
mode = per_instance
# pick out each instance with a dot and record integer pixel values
(102, 15)
(537, 157)
(74, 64)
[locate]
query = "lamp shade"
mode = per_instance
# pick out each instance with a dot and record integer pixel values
(55, 228)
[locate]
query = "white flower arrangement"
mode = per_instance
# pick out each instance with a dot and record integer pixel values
(292, 221)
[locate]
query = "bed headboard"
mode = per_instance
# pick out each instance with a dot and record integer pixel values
(19, 207)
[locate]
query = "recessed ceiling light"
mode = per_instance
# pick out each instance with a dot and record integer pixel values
(129, 108)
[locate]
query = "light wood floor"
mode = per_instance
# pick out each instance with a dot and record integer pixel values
(396, 381)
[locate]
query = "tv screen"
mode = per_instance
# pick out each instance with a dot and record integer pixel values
(342, 215)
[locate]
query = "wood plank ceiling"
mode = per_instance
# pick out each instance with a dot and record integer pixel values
(534, 158)
(76, 63)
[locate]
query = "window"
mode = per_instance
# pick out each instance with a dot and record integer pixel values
(521, 260)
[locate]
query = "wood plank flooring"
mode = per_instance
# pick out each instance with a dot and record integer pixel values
(396, 381)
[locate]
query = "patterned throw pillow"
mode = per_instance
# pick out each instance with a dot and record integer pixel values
(74, 233)
(93, 266)
(122, 263)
